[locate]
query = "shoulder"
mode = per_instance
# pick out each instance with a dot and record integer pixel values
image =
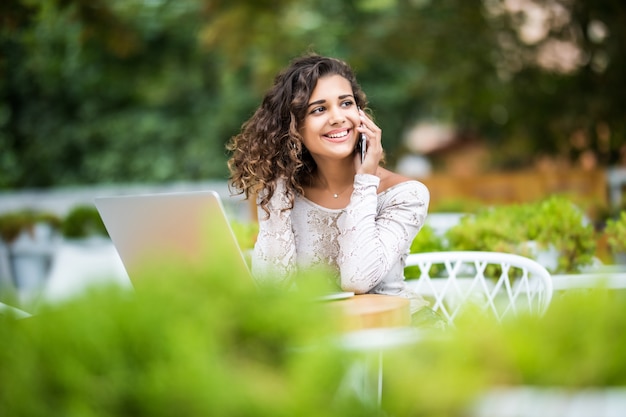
(390, 180)
(396, 189)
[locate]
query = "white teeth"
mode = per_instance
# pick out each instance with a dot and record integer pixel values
(338, 135)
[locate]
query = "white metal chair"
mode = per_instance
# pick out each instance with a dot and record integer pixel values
(498, 283)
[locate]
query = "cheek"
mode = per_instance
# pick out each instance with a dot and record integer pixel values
(310, 128)
(355, 119)
(305, 133)
(308, 140)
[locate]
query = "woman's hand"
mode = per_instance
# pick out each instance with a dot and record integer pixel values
(374, 149)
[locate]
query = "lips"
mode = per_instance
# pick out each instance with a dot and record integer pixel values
(338, 135)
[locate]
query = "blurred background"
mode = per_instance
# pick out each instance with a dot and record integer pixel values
(148, 91)
(488, 103)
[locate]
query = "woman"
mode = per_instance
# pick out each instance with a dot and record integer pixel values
(319, 205)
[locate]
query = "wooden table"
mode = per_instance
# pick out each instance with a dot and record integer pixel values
(369, 311)
(375, 316)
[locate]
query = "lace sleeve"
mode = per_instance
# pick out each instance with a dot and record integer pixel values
(377, 234)
(274, 254)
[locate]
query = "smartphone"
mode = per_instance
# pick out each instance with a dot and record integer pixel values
(361, 144)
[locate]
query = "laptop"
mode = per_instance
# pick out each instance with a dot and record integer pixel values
(188, 226)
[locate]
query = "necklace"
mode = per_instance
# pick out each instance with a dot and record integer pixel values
(336, 195)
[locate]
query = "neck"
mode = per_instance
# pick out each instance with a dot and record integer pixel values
(335, 182)
(333, 176)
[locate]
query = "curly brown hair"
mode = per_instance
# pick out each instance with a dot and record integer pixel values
(269, 145)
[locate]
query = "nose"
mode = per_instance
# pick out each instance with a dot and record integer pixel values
(336, 115)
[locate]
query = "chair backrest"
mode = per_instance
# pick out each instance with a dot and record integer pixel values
(498, 283)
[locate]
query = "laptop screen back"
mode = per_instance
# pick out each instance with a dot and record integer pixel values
(188, 226)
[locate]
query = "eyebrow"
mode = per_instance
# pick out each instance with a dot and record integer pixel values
(341, 97)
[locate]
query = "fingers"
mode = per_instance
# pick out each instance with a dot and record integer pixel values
(374, 145)
(371, 130)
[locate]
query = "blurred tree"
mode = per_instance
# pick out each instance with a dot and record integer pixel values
(129, 90)
(564, 61)
(522, 75)
(110, 91)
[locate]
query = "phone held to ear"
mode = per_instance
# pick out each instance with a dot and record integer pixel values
(361, 145)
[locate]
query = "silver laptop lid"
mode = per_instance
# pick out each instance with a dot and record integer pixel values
(189, 225)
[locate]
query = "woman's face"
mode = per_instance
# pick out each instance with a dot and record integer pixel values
(332, 115)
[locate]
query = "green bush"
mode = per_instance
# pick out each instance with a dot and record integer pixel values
(83, 221)
(557, 221)
(550, 223)
(490, 229)
(188, 342)
(14, 222)
(425, 241)
(445, 373)
(615, 231)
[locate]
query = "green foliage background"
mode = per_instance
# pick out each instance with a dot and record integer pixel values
(96, 91)
(192, 342)
(550, 224)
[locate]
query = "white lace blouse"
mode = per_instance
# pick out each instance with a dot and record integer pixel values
(365, 244)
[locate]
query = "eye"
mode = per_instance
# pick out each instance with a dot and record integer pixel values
(317, 110)
(347, 103)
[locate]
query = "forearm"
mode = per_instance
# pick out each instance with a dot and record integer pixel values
(372, 242)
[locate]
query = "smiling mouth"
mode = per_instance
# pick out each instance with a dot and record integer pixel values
(339, 136)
